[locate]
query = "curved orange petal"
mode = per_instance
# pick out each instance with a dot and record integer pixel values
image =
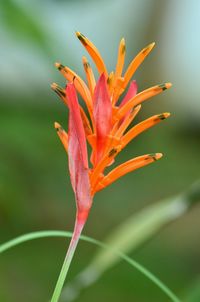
(133, 66)
(144, 125)
(89, 74)
(62, 135)
(94, 53)
(127, 167)
(110, 82)
(127, 121)
(79, 84)
(61, 93)
(102, 164)
(131, 70)
(141, 97)
(120, 58)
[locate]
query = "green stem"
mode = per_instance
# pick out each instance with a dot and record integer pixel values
(69, 256)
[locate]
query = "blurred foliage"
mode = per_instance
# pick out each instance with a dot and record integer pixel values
(22, 24)
(193, 292)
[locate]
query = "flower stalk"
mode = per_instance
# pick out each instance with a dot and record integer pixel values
(79, 225)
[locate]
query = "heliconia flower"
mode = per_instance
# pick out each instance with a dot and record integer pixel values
(105, 125)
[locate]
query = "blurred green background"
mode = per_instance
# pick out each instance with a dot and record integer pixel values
(35, 191)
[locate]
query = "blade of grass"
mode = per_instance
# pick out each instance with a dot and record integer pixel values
(43, 234)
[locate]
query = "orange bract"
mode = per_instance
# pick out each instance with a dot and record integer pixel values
(106, 127)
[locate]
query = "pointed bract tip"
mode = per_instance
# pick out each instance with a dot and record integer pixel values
(134, 84)
(164, 115)
(111, 74)
(84, 59)
(155, 156)
(103, 80)
(148, 48)
(167, 114)
(77, 33)
(102, 77)
(54, 86)
(59, 66)
(57, 126)
(138, 107)
(165, 86)
(110, 77)
(81, 37)
(123, 45)
(86, 64)
(151, 45)
(158, 155)
(168, 85)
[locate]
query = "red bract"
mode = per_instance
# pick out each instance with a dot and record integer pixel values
(77, 154)
(102, 116)
(132, 91)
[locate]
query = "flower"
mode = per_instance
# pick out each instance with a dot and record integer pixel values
(104, 128)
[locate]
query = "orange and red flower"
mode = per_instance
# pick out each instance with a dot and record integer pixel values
(105, 129)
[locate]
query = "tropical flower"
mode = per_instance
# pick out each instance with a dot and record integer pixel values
(105, 126)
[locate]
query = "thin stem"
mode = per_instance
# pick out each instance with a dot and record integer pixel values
(66, 264)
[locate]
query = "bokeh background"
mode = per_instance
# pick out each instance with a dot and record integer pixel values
(35, 191)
